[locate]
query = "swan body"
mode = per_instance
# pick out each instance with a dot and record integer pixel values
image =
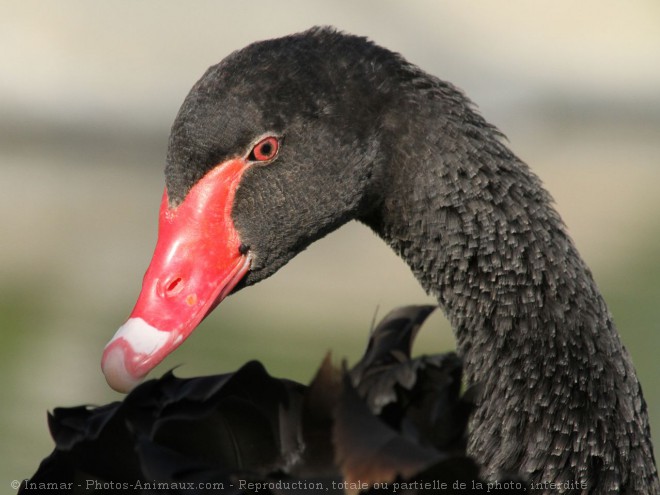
(288, 139)
(391, 420)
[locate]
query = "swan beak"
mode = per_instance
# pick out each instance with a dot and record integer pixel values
(197, 262)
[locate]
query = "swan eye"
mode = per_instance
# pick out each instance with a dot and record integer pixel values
(265, 150)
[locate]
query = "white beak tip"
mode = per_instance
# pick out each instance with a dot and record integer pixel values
(116, 374)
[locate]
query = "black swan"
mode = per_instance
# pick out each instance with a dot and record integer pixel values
(392, 423)
(288, 139)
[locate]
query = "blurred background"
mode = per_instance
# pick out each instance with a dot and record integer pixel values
(88, 90)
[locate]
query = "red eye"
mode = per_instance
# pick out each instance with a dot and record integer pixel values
(265, 150)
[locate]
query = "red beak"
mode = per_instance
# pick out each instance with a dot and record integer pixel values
(198, 260)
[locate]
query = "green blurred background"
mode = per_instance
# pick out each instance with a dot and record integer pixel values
(88, 90)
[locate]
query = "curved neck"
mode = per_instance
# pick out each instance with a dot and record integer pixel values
(479, 232)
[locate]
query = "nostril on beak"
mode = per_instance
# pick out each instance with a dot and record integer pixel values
(172, 286)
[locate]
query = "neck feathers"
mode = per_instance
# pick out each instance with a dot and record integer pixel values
(560, 395)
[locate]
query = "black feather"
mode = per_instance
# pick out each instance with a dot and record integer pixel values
(248, 427)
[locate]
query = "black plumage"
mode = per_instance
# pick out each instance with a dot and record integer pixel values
(224, 432)
(368, 136)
